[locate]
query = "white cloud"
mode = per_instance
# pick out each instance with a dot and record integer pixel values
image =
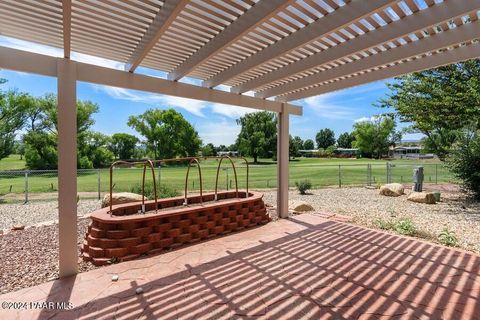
(193, 106)
(220, 132)
(366, 119)
(229, 111)
(324, 107)
(196, 107)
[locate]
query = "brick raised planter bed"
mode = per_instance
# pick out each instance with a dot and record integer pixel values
(127, 234)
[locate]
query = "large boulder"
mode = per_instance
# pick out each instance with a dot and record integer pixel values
(121, 197)
(392, 190)
(422, 197)
(299, 206)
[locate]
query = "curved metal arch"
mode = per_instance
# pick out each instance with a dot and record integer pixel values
(234, 172)
(246, 162)
(186, 181)
(150, 164)
(111, 176)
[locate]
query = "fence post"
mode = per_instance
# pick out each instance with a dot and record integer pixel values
(226, 169)
(26, 186)
(98, 183)
(159, 167)
(339, 176)
(436, 173)
(369, 174)
(388, 172)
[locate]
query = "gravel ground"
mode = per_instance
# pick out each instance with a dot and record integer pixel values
(365, 206)
(30, 257)
(33, 213)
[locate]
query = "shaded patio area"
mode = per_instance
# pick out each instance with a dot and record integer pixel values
(306, 267)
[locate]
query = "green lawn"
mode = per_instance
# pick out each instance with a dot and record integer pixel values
(321, 172)
(12, 162)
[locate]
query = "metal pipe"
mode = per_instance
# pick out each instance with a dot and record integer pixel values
(218, 172)
(186, 181)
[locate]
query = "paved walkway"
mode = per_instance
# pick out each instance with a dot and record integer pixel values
(303, 268)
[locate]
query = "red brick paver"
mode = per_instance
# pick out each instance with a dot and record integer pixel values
(303, 268)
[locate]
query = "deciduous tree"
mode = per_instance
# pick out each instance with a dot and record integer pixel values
(325, 138)
(167, 133)
(439, 103)
(258, 135)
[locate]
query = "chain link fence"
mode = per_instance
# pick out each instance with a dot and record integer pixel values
(36, 185)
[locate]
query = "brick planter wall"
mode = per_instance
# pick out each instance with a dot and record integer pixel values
(126, 234)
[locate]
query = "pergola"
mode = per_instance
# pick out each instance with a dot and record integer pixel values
(281, 50)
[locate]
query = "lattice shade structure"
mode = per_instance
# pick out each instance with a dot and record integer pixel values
(268, 52)
(285, 49)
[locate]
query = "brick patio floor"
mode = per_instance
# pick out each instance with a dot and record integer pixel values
(303, 268)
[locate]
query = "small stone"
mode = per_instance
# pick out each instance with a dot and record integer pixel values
(139, 290)
(392, 190)
(18, 227)
(115, 277)
(422, 197)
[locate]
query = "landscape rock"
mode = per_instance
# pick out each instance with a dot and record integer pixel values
(18, 227)
(115, 277)
(300, 206)
(121, 197)
(392, 190)
(139, 290)
(422, 197)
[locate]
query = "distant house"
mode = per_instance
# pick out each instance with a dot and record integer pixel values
(413, 152)
(308, 153)
(346, 152)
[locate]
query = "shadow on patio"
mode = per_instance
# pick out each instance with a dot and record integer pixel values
(305, 267)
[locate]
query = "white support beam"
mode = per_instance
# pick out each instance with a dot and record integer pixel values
(442, 40)
(164, 18)
(18, 60)
(436, 60)
(420, 20)
(67, 167)
(67, 27)
(255, 16)
(282, 162)
(332, 22)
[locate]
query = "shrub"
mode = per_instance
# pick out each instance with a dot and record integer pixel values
(163, 191)
(384, 224)
(405, 227)
(303, 186)
(448, 238)
(464, 162)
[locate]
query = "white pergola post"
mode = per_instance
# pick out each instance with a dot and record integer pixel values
(67, 166)
(282, 162)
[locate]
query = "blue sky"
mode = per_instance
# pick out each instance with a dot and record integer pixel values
(214, 122)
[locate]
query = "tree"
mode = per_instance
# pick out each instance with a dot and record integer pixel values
(209, 150)
(464, 161)
(374, 137)
(325, 138)
(295, 144)
(439, 103)
(12, 106)
(96, 151)
(309, 144)
(167, 133)
(123, 145)
(42, 132)
(258, 135)
(345, 140)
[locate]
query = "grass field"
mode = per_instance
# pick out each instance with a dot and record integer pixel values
(321, 172)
